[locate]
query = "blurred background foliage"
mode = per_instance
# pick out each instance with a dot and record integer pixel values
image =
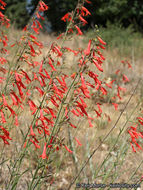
(125, 12)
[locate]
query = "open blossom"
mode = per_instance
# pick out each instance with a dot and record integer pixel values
(66, 17)
(85, 11)
(42, 6)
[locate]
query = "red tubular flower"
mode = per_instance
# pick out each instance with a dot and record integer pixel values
(2, 117)
(44, 156)
(4, 100)
(52, 112)
(42, 6)
(103, 90)
(78, 29)
(19, 89)
(35, 144)
(22, 85)
(26, 75)
(89, 2)
(11, 110)
(82, 82)
(51, 64)
(66, 112)
(98, 114)
(89, 121)
(97, 65)
(132, 147)
(57, 91)
(16, 120)
(56, 49)
(78, 110)
(115, 106)
(4, 139)
(74, 112)
(108, 85)
(85, 10)
(82, 108)
(83, 20)
(72, 125)
(48, 76)
(40, 91)
(68, 149)
(83, 102)
(18, 76)
(3, 3)
(33, 107)
(42, 82)
(125, 78)
(6, 133)
(66, 17)
(42, 75)
(87, 52)
(129, 65)
(32, 49)
(31, 131)
(18, 100)
(60, 36)
(101, 41)
(54, 102)
(40, 26)
(140, 120)
(78, 142)
(98, 105)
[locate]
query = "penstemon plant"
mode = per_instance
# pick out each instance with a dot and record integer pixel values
(55, 100)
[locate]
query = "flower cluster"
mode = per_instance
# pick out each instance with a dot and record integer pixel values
(62, 97)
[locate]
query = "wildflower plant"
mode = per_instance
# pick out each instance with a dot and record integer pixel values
(61, 99)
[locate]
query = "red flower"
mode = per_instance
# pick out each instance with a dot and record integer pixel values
(101, 41)
(31, 47)
(4, 100)
(87, 52)
(44, 156)
(42, 6)
(72, 125)
(85, 10)
(2, 117)
(3, 3)
(68, 149)
(97, 65)
(89, 2)
(78, 142)
(125, 78)
(115, 106)
(16, 120)
(40, 91)
(83, 20)
(31, 131)
(66, 17)
(79, 31)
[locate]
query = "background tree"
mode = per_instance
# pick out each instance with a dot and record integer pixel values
(17, 12)
(125, 12)
(57, 9)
